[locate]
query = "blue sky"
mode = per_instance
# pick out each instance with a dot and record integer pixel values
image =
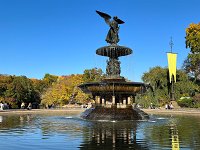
(60, 37)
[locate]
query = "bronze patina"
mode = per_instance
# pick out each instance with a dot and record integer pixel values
(113, 96)
(112, 36)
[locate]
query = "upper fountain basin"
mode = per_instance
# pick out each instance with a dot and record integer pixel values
(113, 51)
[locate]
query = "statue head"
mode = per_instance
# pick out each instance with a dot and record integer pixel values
(115, 18)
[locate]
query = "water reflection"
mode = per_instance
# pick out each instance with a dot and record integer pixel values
(1, 118)
(14, 121)
(112, 135)
(175, 132)
(49, 132)
(174, 137)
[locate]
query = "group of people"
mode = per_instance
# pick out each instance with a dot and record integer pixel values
(169, 106)
(23, 106)
(3, 106)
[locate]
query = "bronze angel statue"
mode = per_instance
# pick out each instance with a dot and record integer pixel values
(112, 36)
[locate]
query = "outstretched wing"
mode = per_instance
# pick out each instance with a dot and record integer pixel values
(105, 16)
(119, 21)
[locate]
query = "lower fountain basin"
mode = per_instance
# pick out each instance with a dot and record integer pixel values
(102, 113)
(114, 98)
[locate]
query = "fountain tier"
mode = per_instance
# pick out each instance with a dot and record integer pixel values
(113, 96)
(113, 88)
(114, 51)
(113, 100)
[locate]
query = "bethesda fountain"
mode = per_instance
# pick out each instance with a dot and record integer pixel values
(114, 96)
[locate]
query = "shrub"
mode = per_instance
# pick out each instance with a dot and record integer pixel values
(186, 102)
(196, 100)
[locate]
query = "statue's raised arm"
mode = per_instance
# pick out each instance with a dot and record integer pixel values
(112, 36)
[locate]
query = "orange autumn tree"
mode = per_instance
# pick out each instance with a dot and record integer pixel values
(192, 63)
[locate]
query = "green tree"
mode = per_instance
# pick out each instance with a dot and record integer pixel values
(39, 85)
(5, 83)
(21, 89)
(158, 79)
(93, 75)
(5, 80)
(192, 66)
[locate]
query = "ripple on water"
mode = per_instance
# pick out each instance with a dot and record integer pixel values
(50, 132)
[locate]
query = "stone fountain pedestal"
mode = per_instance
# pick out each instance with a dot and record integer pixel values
(114, 113)
(113, 96)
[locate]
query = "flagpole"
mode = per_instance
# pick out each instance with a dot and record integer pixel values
(172, 93)
(172, 89)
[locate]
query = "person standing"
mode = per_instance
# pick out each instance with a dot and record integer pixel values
(29, 106)
(22, 105)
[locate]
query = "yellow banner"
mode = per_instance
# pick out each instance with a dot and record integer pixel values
(172, 65)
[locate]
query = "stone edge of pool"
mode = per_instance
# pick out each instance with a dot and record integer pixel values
(182, 111)
(42, 111)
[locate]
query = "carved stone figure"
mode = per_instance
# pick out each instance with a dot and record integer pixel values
(112, 36)
(113, 68)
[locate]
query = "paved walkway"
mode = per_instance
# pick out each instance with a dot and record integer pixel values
(162, 111)
(179, 111)
(42, 111)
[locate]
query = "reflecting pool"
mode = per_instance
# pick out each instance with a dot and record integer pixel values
(62, 132)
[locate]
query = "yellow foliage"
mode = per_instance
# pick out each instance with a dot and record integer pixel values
(193, 38)
(63, 90)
